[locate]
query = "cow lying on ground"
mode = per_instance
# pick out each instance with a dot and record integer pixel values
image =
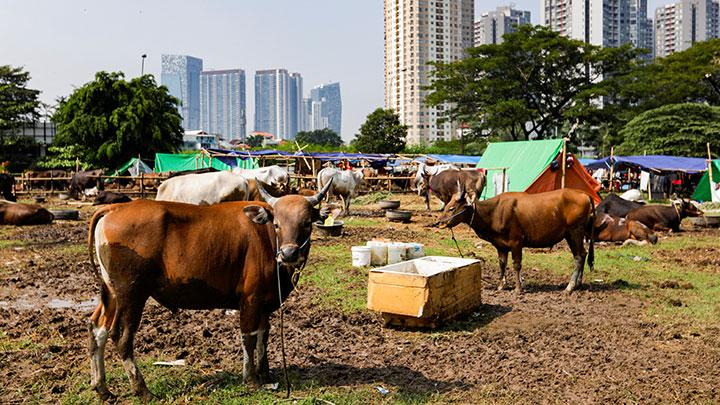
(609, 228)
(512, 221)
(664, 218)
(205, 188)
(85, 180)
(7, 183)
(108, 197)
(613, 205)
(12, 213)
(274, 176)
(345, 184)
(444, 184)
(162, 250)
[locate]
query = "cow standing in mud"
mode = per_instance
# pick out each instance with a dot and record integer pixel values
(231, 256)
(513, 221)
(444, 184)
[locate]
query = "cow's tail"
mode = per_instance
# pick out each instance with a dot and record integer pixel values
(99, 214)
(590, 234)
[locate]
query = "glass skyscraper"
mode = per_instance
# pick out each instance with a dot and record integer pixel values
(278, 102)
(324, 108)
(222, 103)
(181, 75)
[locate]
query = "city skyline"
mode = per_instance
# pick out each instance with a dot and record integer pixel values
(71, 41)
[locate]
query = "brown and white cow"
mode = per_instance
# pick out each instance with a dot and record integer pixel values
(12, 213)
(231, 255)
(513, 221)
(609, 228)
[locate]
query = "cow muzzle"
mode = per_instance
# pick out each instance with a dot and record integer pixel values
(289, 253)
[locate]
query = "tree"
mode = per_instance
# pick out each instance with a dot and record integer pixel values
(325, 137)
(532, 83)
(111, 120)
(676, 129)
(381, 132)
(18, 104)
(255, 141)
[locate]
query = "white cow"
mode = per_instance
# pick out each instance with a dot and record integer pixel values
(424, 171)
(204, 188)
(274, 176)
(345, 183)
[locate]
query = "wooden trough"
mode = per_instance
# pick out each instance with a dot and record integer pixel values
(425, 292)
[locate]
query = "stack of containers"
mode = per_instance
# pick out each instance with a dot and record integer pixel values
(381, 253)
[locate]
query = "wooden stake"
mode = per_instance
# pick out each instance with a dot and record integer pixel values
(563, 163)
(612, 167)
(710, 165)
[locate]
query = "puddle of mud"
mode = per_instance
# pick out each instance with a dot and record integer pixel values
(55, 303)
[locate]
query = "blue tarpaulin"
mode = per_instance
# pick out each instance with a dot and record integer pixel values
(653, 162)
(456, 159)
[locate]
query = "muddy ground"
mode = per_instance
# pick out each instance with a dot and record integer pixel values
(597, 345)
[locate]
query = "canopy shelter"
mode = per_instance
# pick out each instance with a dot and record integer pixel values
(133, 167)
(533, 167)
(657, 163)
(708, 190)
(454, 159)
(166, 162)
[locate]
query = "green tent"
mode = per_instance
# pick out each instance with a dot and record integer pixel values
(705, 191)
(133, 167)
(524, 162)
(166, 162)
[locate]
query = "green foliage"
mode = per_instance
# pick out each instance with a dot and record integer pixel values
(63, 157)
(532, 83)
(18, 104)
(325, 137)
(111, 120)
(292, 147)
(453, 147)
(381, 132)
(20, 151)
(676, 129)
(254, 141)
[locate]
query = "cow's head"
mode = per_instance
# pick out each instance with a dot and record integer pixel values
(639, 231)
(688, 209)
(459, 209)
(292, 216)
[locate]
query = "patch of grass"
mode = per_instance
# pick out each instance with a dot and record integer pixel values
(8, 344)
(74, 249)
(360, 221)
(11, 243)
(372, 198)
(331, 271)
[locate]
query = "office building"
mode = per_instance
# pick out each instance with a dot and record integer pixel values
(642, 28)
(324, 108)
(680, 25)
(278, 103)
(222, 103)
(418, 32)
(181, 75)
(491, 26)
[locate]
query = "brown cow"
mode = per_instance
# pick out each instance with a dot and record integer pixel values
(12, 213)
(195, 257)
(109, 197)
(610, 228)
(512, 221)
(444, 184)
(664, 218)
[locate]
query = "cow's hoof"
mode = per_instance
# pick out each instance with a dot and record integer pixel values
(518, 292)
(569, 289)
(107, 397)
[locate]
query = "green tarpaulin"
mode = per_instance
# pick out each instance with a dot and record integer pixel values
(133, 167)
(704, 188)
(165, 162)
(524, 162)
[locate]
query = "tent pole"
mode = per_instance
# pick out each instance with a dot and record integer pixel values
(710, 166)
(612, 166)
(563, 163)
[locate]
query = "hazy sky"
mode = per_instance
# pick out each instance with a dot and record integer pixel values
(63, 43)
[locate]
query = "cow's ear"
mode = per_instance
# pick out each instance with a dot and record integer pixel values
(258, 214)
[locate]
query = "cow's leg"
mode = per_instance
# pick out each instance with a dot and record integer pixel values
(99, 326)
(517, 266)
(576, 243)
(427, 200)
(261, 351)
(130, 316)
(503, 258)
(250, 330)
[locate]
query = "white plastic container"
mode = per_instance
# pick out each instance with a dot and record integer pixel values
(361, 256)
(415, 251)
(397, 252)
(378, 253)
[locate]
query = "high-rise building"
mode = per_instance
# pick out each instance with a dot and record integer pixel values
(181, 75)
(418, 32)
(222, 103)
(278, 102)
(324, 108)
(680, 25)
(607, 23)
(641, 28)
(491, 26)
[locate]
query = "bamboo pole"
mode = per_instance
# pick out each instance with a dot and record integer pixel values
(564, 159)
(612, 167)
(710, 165)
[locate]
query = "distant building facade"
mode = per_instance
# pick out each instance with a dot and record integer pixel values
(181, 75)
(491, 26)
(418, 32)
(680, 25)
(222, 103)
(324, 108)
(278, 102)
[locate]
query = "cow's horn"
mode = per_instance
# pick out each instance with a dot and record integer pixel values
(315, 200)
(461, 189)
(264, 194)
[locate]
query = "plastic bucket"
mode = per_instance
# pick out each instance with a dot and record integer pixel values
(415, 251)
(397, 252)
(378, 253)
(361, 256)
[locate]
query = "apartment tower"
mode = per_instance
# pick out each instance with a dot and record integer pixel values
(278, 102)
(491, 26)
(222, 103)
(324, 108)
(418, 32)
(181, 75)
(680, 25)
